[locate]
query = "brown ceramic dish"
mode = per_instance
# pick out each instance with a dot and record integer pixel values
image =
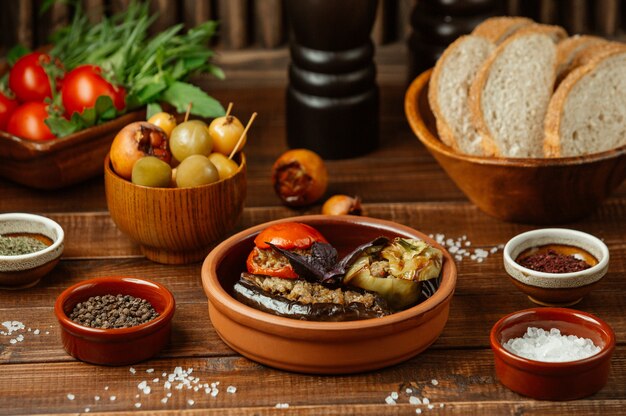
(176, 225)
(26, 270)
(115, 346)
(553, 381)
(323, 347)
(537, 191)
(555, 289)
(58, 163)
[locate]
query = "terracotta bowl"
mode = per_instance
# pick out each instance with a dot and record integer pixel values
(323, 347)
(537, 191)
(176, 225)
(553, 381)
(555, 289)
(120, 346)
(23, 271)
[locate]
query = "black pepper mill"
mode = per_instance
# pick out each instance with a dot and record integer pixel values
(332, 97)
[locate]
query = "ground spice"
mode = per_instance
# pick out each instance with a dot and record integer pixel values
(109, 311)
(553, 262)
(19, 245)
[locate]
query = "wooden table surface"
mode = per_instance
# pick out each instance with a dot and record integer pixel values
(399, 182)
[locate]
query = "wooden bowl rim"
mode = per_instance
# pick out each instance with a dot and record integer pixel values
(418, 125)
(217, 294)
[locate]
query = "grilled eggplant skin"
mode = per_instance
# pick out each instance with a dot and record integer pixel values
(249, 294)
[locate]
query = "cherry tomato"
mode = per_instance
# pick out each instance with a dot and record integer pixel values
(28, 80)
(7, 106)
(28, 122)
(83, 85)
(289, 235)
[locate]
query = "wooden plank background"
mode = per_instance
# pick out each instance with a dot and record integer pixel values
(262, 24)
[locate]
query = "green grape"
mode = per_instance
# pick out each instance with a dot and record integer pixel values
(190, 138)
(196, 170)
(151, 171)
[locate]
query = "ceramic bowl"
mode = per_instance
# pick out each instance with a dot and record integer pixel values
(555, 289)
(536, 191)
(323, 347)
(176, 225)
(23, 271)
(120, 346)
(553, 381)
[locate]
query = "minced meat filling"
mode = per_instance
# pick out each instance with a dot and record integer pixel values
(307, 293)
(272, 260)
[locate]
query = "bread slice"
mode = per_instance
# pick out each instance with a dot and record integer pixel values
(510, 95)
(449, 89)
(568, 49)
(587, 113)
(497, 29)
(556, 33)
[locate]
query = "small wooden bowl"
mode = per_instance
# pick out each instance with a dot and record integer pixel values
(176, 225)
(537, 191)
(555, 289)
(323, 347)
(120, 346)
(58, 163)
(553, 381)
(26, 270)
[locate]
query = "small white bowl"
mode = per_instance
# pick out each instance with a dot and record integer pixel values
(555, 289)
(26, 270)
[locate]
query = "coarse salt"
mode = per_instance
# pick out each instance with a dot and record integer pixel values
(426, 400)
(191, 402)
(132, 370)
(434, 382)
(87, 410)
(164, 400)
(137, 405)
(36, 332)
(394, 395)
(282, 406)
(70, 396)
(389, 400)
(550, 346)
(112, 398)
(150, 370)
(231, 389)
(431, 406)
(418, 411)
(414, 400)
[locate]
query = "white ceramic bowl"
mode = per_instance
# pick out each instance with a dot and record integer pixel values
(19, 272)
(555, 289)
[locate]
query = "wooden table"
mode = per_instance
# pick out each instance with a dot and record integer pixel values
(399, 182)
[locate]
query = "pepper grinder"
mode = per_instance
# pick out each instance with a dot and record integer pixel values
(332, 96)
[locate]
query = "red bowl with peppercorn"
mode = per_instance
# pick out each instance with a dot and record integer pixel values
(117, 346)
(556, 266)
(556, 380)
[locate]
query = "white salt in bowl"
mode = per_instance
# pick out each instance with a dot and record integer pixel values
(26, 270)
(555, 289)
(553, 380)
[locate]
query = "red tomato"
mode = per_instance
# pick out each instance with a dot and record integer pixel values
(28, 122)
(83, 85)
(289, 235)
(286, 272)
(28, 80)
(7, 106)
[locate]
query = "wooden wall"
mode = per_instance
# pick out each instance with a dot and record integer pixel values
(261, 23)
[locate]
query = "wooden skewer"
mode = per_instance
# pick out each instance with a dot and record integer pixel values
(242, 135)
(230, 107)
(188, 111)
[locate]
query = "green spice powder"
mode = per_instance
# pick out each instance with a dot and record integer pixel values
(16, 246)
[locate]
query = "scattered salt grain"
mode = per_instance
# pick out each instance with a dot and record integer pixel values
(150, 370)
(169, 394)
(190, 402)
(87, 410)
(106, 387)
(550, 346)
(408, 390)
(394, 395)
(137, 405)
(441, 405)
(155, 380)
(142, 385)
(96, 398)
(12, 326)
(47, 333)
(431, 406)
(132, 370)
(36, 332)
(214, 392)
(164, 400)
(13, 341)
(282, 406)
(418, 411)
(425, 400)
(231, 389)
(164, 375)
(70, 396)
(147, 390)
(414, 400)
(434, 382)
(167, 385)
(389, 400)
(112, 398)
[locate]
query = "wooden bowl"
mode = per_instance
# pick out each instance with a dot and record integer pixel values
(26, 270)
(555, 289)
(176, 225)
(323, 347)
(548, 380)
(58, 163)
(537, 191)
(121, 346)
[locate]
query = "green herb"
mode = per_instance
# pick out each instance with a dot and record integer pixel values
(152, 70)
(16, 246)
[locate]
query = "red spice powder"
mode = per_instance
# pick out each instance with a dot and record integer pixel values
(553, 262)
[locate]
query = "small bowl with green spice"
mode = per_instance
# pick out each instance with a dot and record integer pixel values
(30, 247)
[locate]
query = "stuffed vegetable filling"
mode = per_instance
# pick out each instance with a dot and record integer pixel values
(293, 271)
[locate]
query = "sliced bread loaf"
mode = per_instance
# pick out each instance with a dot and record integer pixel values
(556, 33)
(587, 113)
(449, 90)
(510, 95)
(568, 49)
(497, 29)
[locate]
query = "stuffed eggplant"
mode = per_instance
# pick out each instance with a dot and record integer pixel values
(299, 299)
